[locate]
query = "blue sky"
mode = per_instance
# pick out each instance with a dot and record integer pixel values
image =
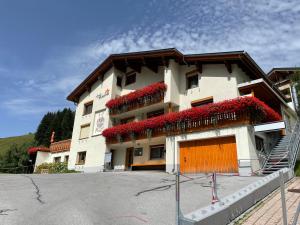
(49, 47)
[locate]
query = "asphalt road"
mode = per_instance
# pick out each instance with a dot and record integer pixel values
(124, 198)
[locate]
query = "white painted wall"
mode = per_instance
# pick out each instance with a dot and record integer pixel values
(94, 146)
(214, 81)
(41, 157)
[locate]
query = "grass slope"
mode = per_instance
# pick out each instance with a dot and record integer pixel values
(5, 143)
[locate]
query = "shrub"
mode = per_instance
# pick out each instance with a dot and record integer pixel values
(57, 167)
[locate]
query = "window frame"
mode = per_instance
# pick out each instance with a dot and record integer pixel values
(202, 101)
(87, 104)
(82, 126)
(66, 157)
(138, 152)
(130, 75)
(190, 75)
(57, 159)
(162, 153)
(78, 161)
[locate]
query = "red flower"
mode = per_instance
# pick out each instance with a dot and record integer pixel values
(252, 105)
(134, 96)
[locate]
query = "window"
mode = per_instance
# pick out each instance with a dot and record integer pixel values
(127, 120)
(88, 108)
(192, 81)
(57, 159)
(84, 131)
(202, 102)
(157, 152)
(66, 158)
(138, 151)
(119, 81)
(155, 113)
(130, 78)
(81, 158)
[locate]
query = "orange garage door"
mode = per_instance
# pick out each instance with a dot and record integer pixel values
(209, 155)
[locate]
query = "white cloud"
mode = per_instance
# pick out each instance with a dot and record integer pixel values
(268, 30)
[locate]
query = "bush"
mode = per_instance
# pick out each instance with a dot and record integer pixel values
(297, 169)
(58, 167)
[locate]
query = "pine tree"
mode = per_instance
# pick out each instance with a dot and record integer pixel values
(61, 122)
(43, 133)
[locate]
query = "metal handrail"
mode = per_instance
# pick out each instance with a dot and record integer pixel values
(293, 146)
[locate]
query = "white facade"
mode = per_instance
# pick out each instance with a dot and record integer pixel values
(214, 81)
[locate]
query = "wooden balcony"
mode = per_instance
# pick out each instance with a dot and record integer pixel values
(146, 96)
(221, 120)
(140, 103)
(234, 112)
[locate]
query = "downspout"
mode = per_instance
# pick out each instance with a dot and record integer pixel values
(295, 98)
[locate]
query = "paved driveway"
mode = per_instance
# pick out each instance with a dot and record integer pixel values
(125, 198)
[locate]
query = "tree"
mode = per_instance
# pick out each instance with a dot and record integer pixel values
(67, 124)
(61, 122)
(16, 158)
(43, 133)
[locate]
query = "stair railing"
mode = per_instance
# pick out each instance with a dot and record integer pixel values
(294, 145)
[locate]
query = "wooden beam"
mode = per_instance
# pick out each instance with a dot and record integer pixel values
(228, 66)
(199, 67)
(152, 67)
(119, 66)
(136, 67)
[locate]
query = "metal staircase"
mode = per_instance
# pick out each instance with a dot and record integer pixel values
(284, 153)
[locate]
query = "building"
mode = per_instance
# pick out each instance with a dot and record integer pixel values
(162, 109)
(57, 152)
(281, 77)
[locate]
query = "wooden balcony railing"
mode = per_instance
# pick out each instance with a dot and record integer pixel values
(146, 96)
(218, 121)
(139, 103)
(243, 110)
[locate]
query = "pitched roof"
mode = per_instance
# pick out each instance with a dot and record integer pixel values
(60, 146)
(154, 58)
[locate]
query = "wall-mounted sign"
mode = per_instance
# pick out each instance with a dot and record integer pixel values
(98, 122)
(104, 94)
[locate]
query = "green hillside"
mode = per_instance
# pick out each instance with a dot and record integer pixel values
(5, 143)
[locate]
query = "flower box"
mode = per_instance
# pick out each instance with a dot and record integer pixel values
(146, 96)
(226, 113)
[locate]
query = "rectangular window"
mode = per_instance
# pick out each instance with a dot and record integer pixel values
(84, 131)
(130, 78)
(157, 152)
(57, 159)
(192, 81)
(119, 81)
(138, 151)
(88, 108)
(66, 158)
(127, 120)
(155, 113)
(202, 102)
(81, 158)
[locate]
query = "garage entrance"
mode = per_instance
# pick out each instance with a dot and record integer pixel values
(209, 155)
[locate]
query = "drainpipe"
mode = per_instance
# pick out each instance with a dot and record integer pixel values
(295, 98)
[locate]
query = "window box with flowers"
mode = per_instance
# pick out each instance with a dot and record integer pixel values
(148, 95)
(242, 110)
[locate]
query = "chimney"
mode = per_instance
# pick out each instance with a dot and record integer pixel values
(52, 137)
